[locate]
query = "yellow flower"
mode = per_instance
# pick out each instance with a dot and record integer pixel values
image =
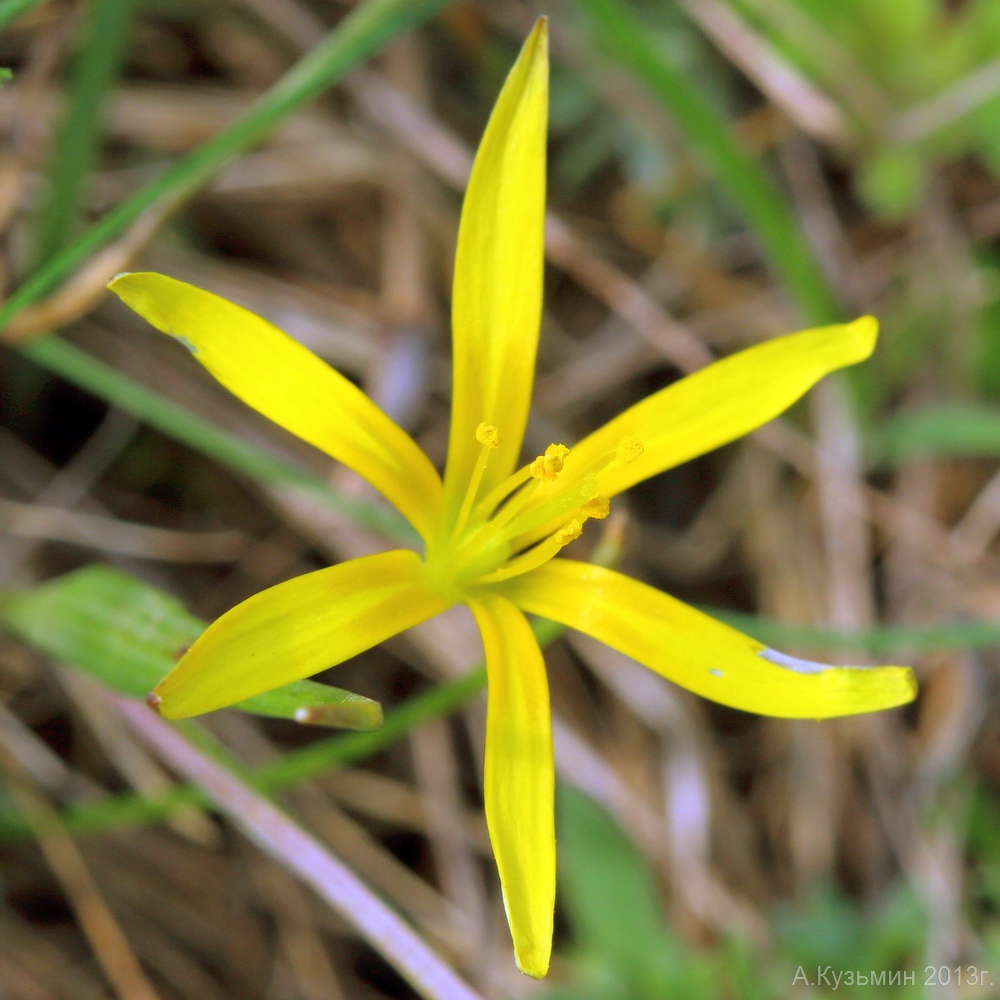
(492, 529)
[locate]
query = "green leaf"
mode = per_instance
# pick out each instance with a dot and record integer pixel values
(128, 634)
(609, 894)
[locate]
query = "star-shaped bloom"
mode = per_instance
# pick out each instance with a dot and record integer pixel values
(492, 528)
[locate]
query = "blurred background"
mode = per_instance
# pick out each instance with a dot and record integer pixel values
(721, 171)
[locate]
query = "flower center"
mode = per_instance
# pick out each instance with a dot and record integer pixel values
(521, 523)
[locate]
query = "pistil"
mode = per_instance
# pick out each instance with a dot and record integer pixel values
(496, 537)
(536, 556)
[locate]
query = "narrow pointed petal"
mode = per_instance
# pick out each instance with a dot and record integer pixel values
(497, 299)
(519, 781)
(722, 402)
(298, 628)
(699, 652)
(288, 384)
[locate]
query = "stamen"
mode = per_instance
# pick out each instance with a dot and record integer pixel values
(489, 502)
(598, 508)
(629, 449)
(544, 468)
(568, 532)
(514, 505)
(555, 509)
(489, 437)
(536, 556)
(489, 529)
(557, 453)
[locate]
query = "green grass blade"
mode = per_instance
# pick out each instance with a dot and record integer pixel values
(95, 70)
(128, 634)
(881, 641)
(338, 751)
(713, 139)
(363, 32)
(966, 429)
(94, 376)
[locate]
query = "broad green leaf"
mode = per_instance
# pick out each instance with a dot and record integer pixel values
(609, 893)
(128, 634)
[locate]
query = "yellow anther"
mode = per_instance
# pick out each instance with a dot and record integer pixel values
(569, 531)
(629, 449)
(488, 435)
(556, 453)
(539, 470)
(545, 468)
(597, 508)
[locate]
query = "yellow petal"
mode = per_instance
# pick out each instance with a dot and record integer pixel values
(700, 653)
(288, 384)
(720, 403)
(497, 297)
(298, 628)
(519, 781)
